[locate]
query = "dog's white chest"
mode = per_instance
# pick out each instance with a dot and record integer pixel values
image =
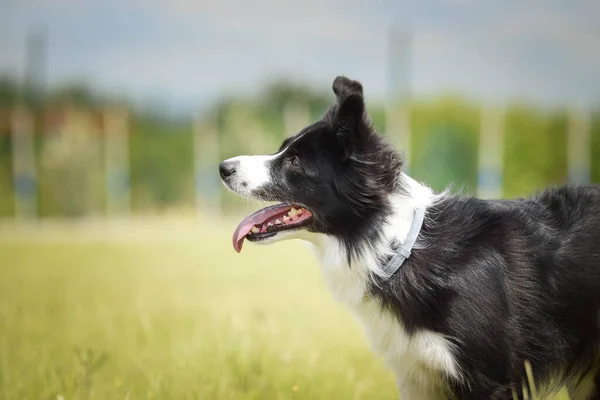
(420, 359)
(423, 357)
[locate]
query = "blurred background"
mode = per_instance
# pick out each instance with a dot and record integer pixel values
(117, 278)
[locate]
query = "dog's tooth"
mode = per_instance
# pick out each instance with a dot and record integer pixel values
(286, 218)
(278, 222)
(293, 212)
(270, 224)
(255, 229)
(301, 211)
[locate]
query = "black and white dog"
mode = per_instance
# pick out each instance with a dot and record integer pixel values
(486, 286)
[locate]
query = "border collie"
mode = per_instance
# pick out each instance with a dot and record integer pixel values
(455, 293)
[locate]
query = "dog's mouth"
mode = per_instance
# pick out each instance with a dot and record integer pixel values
(269, 221)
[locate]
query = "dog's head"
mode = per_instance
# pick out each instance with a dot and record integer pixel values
(333, 177)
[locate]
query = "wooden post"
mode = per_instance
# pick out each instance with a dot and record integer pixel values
(491, 153)
(579, 146)
(24, 164)
(116, 162)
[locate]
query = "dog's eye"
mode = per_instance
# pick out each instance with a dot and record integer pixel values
(294, 162)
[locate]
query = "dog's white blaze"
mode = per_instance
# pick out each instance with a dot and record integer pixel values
(254, 171)
(251, 173)
(419, 361)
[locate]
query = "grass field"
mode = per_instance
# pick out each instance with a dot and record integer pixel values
(170, 311)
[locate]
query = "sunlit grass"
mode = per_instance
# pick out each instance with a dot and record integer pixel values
(183, 318)
(174, 313)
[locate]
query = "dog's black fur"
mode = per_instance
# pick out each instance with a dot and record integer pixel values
(505, 281)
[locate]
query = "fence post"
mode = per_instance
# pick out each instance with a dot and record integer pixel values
(579, 146)
(24, 164)
(116, 162)
(206, 160)
(491, 153)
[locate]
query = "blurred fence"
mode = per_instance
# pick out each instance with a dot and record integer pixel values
(75, 162)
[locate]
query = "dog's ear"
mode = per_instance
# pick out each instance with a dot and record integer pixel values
(349, 116)
(343, 86)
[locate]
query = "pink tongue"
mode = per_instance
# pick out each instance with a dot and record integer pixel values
(254, 219)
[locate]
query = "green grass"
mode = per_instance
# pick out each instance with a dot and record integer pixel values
(172, 312)
(181, 318)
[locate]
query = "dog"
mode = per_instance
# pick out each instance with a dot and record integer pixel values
(457, 294)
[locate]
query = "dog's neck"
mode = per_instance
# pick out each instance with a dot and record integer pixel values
(350, 275)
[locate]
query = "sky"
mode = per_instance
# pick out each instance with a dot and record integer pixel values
(187, 53)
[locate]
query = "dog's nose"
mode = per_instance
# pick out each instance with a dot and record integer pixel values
(227, 168)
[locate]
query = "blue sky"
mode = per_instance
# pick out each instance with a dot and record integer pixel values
(190, 52)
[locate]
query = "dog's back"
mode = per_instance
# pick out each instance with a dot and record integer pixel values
(531, 270)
